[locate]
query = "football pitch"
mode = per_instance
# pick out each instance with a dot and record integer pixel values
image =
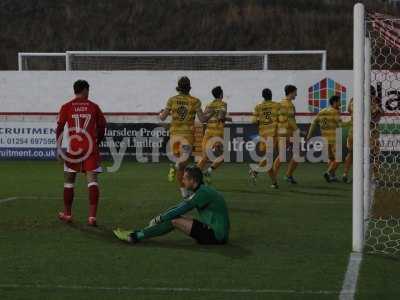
(291, 243)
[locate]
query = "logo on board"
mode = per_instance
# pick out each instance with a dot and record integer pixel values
(320, 92)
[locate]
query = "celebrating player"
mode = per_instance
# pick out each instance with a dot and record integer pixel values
(286, 127)
(266, 117)
(212, 226)
(376, 113)
(214, 134)
(86, 128)
(183, 109)
(329, 121)
(349, 144)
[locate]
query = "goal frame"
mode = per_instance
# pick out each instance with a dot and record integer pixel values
(265, 54)
(361, 196)
(23, 55)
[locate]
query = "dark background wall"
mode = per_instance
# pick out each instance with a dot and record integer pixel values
(55, 25)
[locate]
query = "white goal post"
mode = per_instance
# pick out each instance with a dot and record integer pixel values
(359, 84)
(184, 60)
(376, 133)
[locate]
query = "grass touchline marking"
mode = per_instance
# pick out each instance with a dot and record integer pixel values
(8, 199)
(350, 280)
(167, 289)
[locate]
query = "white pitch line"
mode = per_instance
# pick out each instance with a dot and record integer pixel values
(8, 199)
(51, 198)
(285, 201)
(168, 289)
(350, 280)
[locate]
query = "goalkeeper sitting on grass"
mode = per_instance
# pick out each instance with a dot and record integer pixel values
(212, 228)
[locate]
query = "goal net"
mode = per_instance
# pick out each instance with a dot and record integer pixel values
(176, 60)
(383, 223)
(279, 60)
(41, 61)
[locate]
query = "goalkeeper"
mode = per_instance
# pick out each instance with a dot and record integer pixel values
(212, 227)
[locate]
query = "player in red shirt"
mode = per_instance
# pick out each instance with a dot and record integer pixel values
(86, 128)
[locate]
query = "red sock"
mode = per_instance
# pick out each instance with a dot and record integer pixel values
(68, 198)
(93, 198)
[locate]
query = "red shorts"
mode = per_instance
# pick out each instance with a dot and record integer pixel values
(91, 163)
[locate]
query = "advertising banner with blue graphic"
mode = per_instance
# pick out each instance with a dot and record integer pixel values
(37, 141)
(27, 140)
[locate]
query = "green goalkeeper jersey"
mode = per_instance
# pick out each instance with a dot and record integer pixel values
(212, 210)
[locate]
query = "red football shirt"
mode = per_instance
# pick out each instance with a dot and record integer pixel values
(86, 126)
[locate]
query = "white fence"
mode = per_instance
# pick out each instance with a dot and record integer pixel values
(141, 94)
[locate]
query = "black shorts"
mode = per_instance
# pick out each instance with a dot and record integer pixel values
(203, 234)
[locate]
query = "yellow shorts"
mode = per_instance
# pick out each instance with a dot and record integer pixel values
(285, 132)
(181, 144)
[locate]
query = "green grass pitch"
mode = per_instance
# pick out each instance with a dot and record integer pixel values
(291, 243)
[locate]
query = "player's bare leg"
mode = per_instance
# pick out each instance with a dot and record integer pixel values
(217, 162)
(277, 165)
(330, 175)
(202, 162)
(281, 144)
(69, 182)
(179, 177)
(271, 174)
(183, 224)
(284, 144)
(347, 165)
(348, 161)
(182, 151)
(175, 148)
(291, 168)
(94, 194)
(271, 171)
(375, 150)
(327, 175)
(202, 165)
(332, 169)
(253, 174)
(274, 181)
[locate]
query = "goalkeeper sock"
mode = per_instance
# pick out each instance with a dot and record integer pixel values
(68, 198)
(156, 230)
(93, 198)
